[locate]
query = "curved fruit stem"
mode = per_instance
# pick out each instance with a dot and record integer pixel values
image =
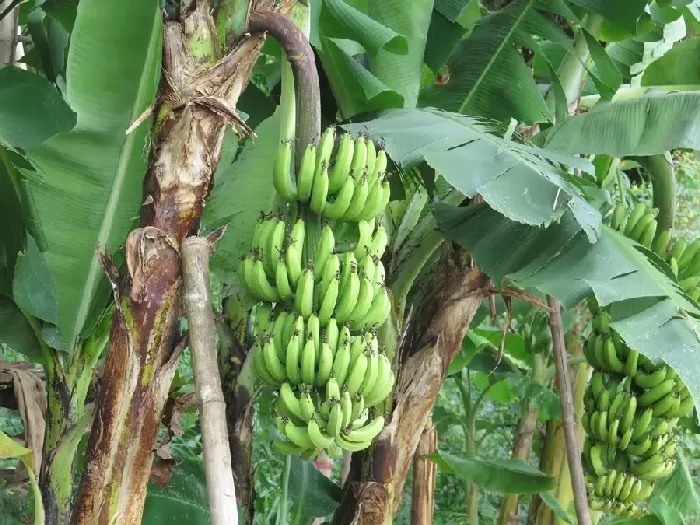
(306, 84)
(663, 183)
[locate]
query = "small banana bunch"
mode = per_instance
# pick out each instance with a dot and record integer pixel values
(349, 185)
(339, 422)
(681, 256)
(346, 286)
(632, 408)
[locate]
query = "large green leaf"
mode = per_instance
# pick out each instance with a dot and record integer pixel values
(514, 179)
(31, 109)
(356, 90)
(647, 307)
(654, 123)
(15, 331)
(678, 66)
(511, 476)
(410, 19)
(88, 185)
(311, 493)
(241, 192)
(487, 74)
(183, 500)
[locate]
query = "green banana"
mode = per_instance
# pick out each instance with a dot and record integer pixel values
(317, 437)
(367, 432)
(319, 191)
(651, 396)
(341, 362)
(337, 208)
(637, 213)
(661, 243)
(343, 159)
(650, 380)
(325, 364)
(308, 361)
(305, 176)
(304, 298)
(283, 170)
(618, 217)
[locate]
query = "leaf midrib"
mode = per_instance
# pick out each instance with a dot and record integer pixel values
(499, 49)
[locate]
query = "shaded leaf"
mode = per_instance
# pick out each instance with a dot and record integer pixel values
(312, 494)
(553, 504)
(183, 500)
(88, 188)
(514, 179)
(12, 233)
(16, 332)
(356, 90)
(33, 288)
(410, 19)
(654, 123)
(31, 109)
(625, 14)
(348, 22)
(510, 476)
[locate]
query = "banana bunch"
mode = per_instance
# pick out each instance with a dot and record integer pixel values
(346, 286)
(348, 185)
(682, 257)
(316, 268)
(618, 493)
(336, 421)
(632, 409)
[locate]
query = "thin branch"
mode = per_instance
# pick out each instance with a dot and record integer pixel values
(200, 315)
(578, 484)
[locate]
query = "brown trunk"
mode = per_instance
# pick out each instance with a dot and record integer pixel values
(198, 95)
(522, 447)
(239, 418)
(374, 490)
(424, 470)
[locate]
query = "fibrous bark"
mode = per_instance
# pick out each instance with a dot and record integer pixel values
(198, 98)
(424, 471)
(433, 339)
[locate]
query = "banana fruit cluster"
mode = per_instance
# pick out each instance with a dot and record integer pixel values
(348, 286)
(682, 257)
(633, 405)
(323, 297)
(353, 188)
